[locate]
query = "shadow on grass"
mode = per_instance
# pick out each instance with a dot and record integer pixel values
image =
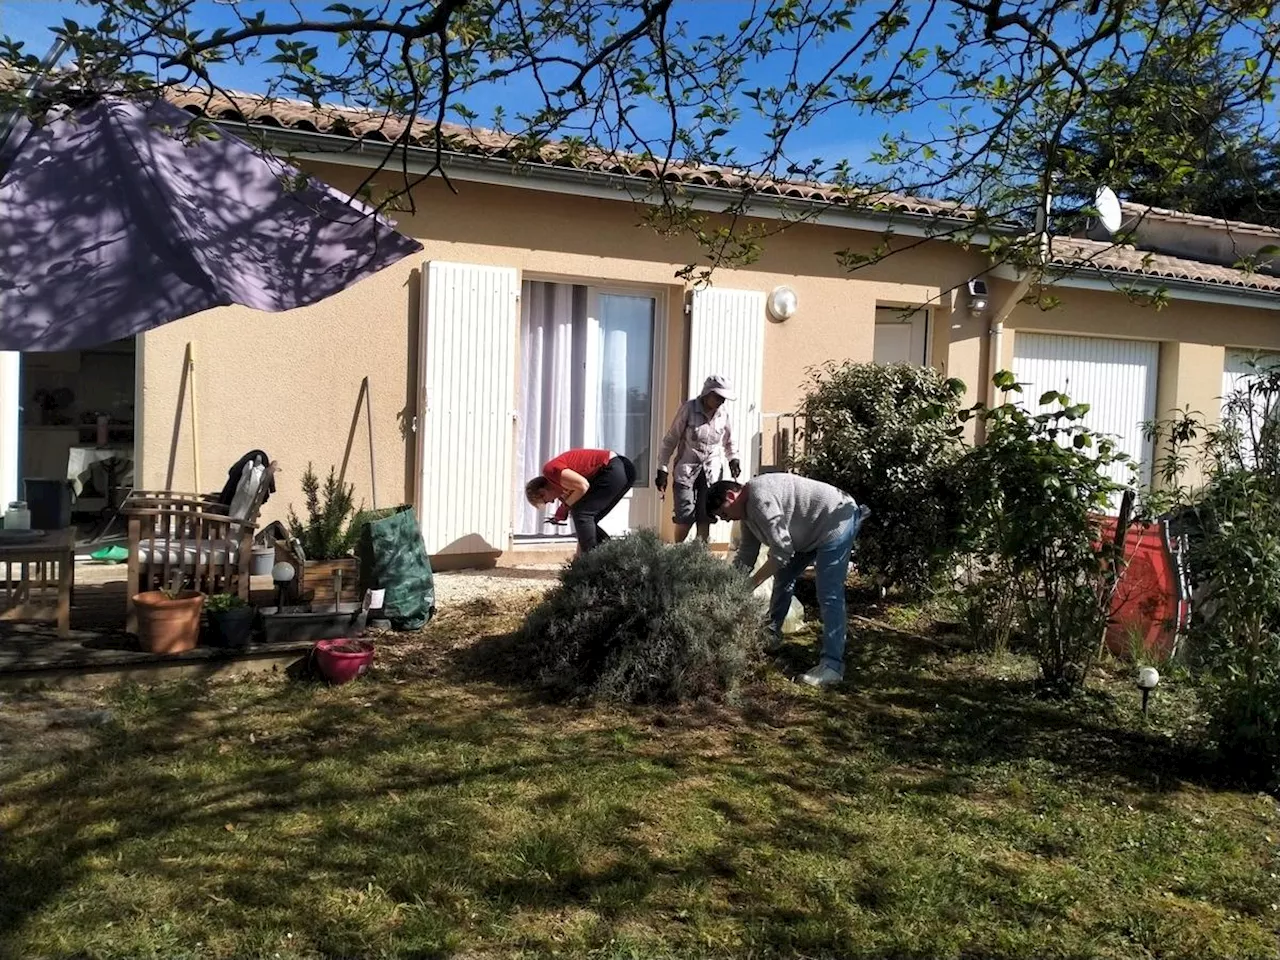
(288, 808)
(415, 818)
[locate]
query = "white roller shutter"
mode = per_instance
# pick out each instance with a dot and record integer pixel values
(1117, 378)
(727, 337)
(467, 374)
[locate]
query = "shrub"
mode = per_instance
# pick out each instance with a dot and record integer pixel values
(1231, 519)
(1036, 484)
(326, 534)
(634, 621)
(887, 435)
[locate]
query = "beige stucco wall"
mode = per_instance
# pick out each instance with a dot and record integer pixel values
(290, 383)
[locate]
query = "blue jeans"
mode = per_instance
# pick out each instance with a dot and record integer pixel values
(831, 566)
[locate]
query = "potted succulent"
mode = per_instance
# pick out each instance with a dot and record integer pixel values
(168, 620)
(328, 539)
(230, 620)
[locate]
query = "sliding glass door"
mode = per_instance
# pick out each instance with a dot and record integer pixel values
(586, 380)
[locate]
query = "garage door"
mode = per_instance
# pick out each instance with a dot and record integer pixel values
(1117, 378)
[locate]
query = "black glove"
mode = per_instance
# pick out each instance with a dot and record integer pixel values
(735, 468)
(660, 481)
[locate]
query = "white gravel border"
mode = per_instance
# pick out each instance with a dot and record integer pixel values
(456, 587)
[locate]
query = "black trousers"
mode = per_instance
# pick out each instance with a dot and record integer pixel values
(606, 488)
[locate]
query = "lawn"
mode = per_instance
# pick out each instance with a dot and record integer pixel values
(930, 808)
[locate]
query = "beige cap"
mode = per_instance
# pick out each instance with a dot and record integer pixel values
(718, 385)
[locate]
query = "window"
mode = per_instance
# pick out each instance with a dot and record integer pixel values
(901, 335)
(586, 375)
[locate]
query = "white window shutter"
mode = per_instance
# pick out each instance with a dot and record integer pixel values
(727, 337)
(467, 372)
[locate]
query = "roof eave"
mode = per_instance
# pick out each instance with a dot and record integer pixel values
(1112, 281)
(601, 184)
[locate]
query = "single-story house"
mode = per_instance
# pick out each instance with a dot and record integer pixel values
(543, 314)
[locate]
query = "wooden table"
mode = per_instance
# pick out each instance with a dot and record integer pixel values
(45, 572)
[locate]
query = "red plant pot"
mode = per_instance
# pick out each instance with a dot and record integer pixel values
(342, 660)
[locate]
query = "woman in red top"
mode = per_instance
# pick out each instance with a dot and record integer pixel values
(588, 484)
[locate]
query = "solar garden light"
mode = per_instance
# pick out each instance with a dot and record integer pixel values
(1148, 677)
(282, 573)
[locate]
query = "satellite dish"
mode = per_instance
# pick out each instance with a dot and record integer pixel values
(1109, 212)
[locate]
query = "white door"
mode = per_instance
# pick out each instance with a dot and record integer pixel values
(466, 376)
(726, 336)
(1117, 378)
(900, 338)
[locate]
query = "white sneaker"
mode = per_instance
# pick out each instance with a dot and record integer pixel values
(821, 676)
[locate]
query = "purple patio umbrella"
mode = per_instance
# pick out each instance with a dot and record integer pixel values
(113, 222)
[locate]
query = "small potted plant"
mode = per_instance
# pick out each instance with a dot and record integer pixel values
(230, 620)
(169, 619)
(328, 539)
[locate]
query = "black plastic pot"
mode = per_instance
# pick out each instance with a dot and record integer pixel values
(231, 628)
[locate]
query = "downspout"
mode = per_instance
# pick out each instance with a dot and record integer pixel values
(995, 330)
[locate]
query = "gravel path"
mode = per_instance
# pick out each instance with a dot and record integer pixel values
(458, 587)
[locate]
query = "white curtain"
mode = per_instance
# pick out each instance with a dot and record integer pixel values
(551, 401)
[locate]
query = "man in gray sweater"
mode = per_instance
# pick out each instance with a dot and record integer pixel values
(801, 522)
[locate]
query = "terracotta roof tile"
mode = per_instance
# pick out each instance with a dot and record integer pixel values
(368, 124)
(1136, 211)
(1075, 252)
(1067, 252)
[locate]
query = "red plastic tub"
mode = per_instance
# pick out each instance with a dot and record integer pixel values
(343, 659)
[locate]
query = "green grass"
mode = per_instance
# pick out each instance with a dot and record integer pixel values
(930, 808)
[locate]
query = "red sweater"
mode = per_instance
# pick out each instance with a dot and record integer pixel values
(585, 463)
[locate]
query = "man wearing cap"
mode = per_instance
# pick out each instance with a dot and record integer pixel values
(702, 440)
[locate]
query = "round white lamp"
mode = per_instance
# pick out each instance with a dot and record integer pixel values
(782, 303)
(1148, 677)
(282, 573)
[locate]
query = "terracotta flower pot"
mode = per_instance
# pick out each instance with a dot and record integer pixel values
(168, 626)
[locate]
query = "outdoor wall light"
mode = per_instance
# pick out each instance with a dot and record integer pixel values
(1148, 677)
(977, 296)
(782, 303)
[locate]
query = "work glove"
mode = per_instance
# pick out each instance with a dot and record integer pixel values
(660, 481)
(735, 468)
(561, 514)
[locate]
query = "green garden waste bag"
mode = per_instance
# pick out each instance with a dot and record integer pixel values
(393, 558)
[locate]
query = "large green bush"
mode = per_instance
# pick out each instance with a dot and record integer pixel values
(635, 621)
(888, 435)
(1231, 516)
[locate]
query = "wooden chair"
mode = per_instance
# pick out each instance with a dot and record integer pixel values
(210, 544)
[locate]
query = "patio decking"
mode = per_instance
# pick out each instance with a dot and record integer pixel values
(100, 651)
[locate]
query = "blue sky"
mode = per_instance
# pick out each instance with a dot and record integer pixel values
(842, 136)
